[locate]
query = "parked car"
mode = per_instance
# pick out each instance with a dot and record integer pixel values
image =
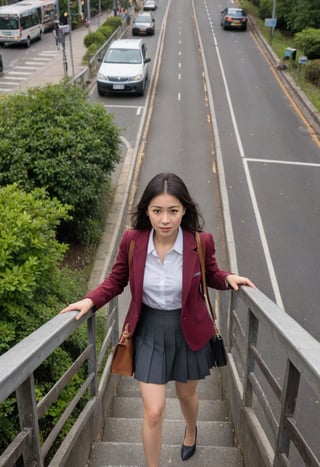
(124, 68)
(144, 23)
(150, 5)
(234, 18)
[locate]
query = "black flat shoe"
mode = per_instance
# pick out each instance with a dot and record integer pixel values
(188, 451)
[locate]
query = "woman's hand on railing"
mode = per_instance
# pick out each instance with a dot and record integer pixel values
(83, 306)
(234, 281)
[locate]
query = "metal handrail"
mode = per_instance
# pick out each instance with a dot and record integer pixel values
(299, 352)
(17, 368)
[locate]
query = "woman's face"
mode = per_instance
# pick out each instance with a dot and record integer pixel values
(165, 213)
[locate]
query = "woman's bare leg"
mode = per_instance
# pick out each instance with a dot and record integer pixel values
(189, 403)
(154, 403)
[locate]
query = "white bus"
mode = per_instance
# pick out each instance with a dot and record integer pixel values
(23, 22)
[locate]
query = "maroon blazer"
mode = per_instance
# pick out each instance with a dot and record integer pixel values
(196, 324)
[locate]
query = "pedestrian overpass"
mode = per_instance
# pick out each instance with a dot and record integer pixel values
(259, 394)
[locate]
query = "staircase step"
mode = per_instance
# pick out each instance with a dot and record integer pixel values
(209, 388)
(128, 430)
(132, 407)
(131, 455)
(121, 445)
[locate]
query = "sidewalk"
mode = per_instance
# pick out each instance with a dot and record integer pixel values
(75, 51)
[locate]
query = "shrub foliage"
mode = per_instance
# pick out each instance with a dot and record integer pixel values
(54, 137)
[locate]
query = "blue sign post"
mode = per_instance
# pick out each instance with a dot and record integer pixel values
(270, 23)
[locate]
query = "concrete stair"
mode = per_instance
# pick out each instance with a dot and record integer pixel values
(121, 445)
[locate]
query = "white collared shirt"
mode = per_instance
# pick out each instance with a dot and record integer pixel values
(162, 282)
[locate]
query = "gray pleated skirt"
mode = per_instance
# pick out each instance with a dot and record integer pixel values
(161, 353)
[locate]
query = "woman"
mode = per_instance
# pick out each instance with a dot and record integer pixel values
(167, 315)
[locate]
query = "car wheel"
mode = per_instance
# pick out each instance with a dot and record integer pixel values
(28, 43)
(100, 91)
(142, 88)
(244, 29)
(40, 36)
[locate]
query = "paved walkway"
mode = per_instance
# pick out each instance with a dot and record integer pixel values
(75, 51)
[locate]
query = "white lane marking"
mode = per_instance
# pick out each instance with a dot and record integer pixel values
(122, 106)
(265, 246)
(49, 53)
(179, 96)
(137, 108)
(8, 84)
(10, 78)
(272, 161)
(41, 59)
(26, 73)
(26, 67)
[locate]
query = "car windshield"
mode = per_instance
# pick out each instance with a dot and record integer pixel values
(143, 19)
(235, 12)
(9, 22)
(123, 56)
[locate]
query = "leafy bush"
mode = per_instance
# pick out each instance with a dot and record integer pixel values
(29, 259)
(312, 72)
(93, 41)
(95, 37)
(308, 40)
(54, 137)
(106, 31)
(114, 21)
(33, 286)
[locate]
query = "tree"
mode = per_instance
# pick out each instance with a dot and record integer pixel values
(54, 137)
(299, 14)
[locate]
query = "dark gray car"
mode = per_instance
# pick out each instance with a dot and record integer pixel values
(144, 23)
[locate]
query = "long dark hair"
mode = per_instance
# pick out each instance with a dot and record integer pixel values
(174, 186)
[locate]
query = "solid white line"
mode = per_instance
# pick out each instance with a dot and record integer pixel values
(41, 60)
(26, 67)
(14, 77)
(48, 53)
(123, 106)
(263, 237)
(271, 161)
(26, 73)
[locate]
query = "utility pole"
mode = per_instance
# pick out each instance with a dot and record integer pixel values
(274, 6)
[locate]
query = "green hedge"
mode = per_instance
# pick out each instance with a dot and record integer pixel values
(55, 137)
(94, 40)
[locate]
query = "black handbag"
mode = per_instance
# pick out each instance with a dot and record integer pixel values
(217, 345)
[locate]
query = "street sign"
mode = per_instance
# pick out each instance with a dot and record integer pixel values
(303, 59)
(270, 22)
